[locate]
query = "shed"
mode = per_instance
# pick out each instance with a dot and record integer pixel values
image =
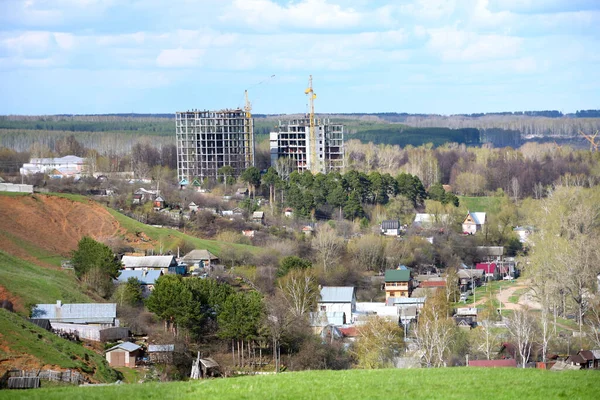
(390, 227)
(164, 353)
(258, 216)
(123, 355)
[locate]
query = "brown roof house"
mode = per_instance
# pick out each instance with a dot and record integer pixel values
(123, 355)
(585, 359)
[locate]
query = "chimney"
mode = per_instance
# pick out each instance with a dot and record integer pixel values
(58, 303)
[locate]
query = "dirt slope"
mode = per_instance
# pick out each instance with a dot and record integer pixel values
(52, 224)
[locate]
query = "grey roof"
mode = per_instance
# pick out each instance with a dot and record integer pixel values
(199, 255)
(127, 346)
(148, 261)
(145, 277)
(209, 362)
(469, 273)
(337, 294)
(161, 348)
(76, 313)
(390, 224)
(258, 214)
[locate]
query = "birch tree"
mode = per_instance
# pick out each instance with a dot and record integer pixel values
(521, 327)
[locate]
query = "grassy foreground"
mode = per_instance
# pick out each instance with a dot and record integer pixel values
(444, 383)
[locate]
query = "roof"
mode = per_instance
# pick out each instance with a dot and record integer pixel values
(577, 359)
(209, 363)
(470, 273)
(432, 283)
(337, 294)
(145, 277)
(76, 313)
(488, 268)
(491, 251)
(127, 346)
(199, 255)
(390, 224)
(466, 311)
(161, 348)
(397, 275)
(148, 261)
(407, 300)
(493, 363)
(587, 355)
(478, 217)
(258, 214)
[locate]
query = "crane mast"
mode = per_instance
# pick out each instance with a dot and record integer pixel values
(312, 142)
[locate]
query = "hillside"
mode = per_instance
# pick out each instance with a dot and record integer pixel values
(38, 231)
(442, 383)
(26, 346)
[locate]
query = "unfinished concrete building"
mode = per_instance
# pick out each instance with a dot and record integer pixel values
(209, 140)
(292, 141)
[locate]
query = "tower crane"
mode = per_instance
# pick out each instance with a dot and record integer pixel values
(312, 142)
(248, 137)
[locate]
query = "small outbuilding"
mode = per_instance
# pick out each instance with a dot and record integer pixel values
(123, 355)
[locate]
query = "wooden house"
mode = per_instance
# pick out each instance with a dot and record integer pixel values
(258, 217)
(165, 353)
(158, 203)
(123, 355)
(200, 259)
(398, 282)
(474, 222)
(584, 359)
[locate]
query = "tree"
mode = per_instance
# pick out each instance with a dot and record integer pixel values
(369, 252)
(173, 302)
(379, 341)
(241, 319)
(291, 263)
(226, 174)
(411, 187)
(272, 179)
(353, 208)
(328, 246)
(94, 255)
(251, 176)
(521, 327)
(129, 293)
(300, 290)
(435, 331)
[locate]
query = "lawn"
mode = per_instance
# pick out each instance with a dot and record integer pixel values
(21, 338)
(34, 284)
(487, 204)
(443, 383)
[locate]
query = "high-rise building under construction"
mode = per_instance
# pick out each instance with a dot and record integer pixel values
(292, 140)
(209, 140)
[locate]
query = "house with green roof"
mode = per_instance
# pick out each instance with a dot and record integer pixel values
(398, 282)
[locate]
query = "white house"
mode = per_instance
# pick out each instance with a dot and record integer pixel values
(339, 299)
(67, 166)
(390, 227)
(474, 222)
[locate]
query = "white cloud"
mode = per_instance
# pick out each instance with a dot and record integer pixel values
(180, 58)
(266, 15)
(453, 45)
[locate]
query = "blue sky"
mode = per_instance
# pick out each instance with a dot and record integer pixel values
(419, 56)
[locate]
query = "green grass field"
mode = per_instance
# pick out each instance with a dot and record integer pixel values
(34, 284)
(443, 383)
(20, 337)
(487, 204)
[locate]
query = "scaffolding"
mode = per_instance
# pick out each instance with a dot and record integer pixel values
(209, 140)
(292, 140)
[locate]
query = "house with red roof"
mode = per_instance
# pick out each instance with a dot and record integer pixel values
(489, 269)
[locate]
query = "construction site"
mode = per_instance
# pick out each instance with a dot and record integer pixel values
(209, 140)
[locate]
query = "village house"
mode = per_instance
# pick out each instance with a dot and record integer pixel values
(165, 353)
(67, 166)
(146, 278)
(200, 258)
(488, 270)
(584, 359)
(390, 228)
(90, 321)
(193, 207)
(341, 299)
(142, 263)
(474, 222)
(158, 203)
(123, 355)
(288, 212)
(398, 282)
(468, 279)
(258, 217)
(142, 195)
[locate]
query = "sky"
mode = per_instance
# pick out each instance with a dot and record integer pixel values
(416, 56)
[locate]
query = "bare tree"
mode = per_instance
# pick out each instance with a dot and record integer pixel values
(300, 290)
(328, 246)
(521, 327)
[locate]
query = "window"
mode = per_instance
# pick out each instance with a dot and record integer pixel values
(323, 308)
